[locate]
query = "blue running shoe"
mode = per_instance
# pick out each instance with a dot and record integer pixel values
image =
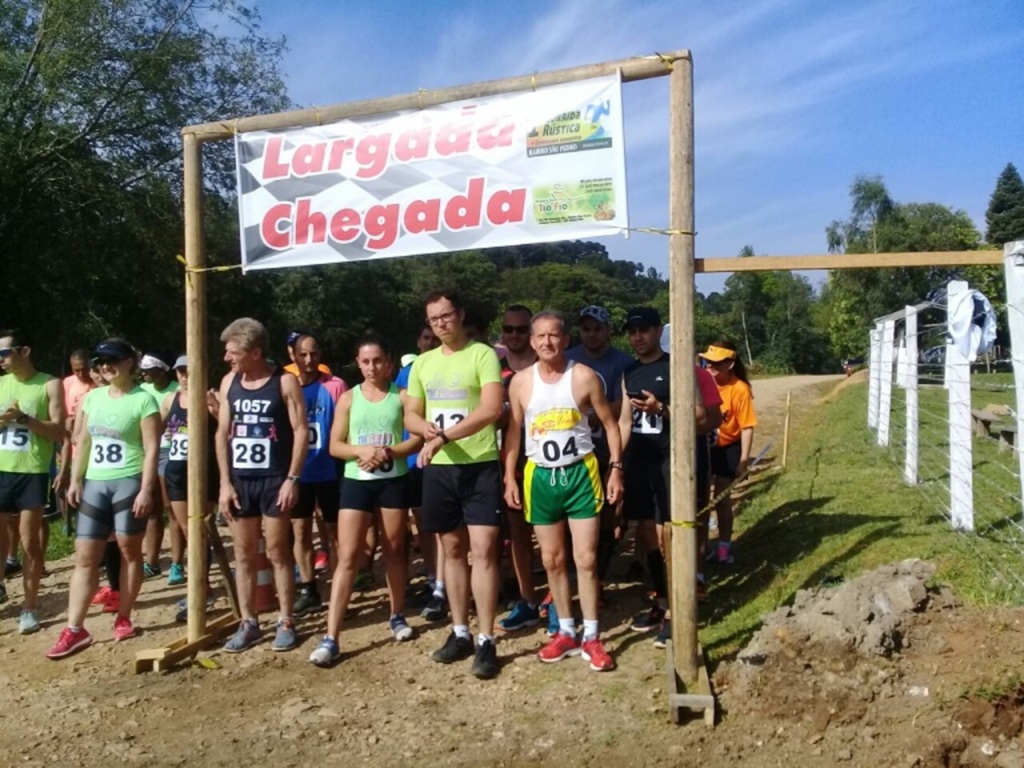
(246, 636)
(523, 615)
(552, 620)
(325, 654)
(285, 639)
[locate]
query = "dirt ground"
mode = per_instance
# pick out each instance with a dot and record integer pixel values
(386, 704)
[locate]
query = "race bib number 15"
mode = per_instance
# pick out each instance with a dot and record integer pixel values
(14, 439)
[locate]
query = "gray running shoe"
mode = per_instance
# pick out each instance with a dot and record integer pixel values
(285, 639)
(246, 636)
(435, 609)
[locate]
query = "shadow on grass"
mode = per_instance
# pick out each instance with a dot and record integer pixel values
(783, 538)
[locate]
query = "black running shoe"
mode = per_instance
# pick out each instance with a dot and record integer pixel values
(455, 648)
(435, 609)
(307, 600)
(12, 567)
(648, 620)
(485, 665)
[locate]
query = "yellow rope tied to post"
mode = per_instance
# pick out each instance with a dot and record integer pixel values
(419, 97)
(656, 231)
(533, 82)
(222, 268)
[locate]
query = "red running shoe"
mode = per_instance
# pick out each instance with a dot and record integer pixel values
(558, 648)
(101, 596)
(113, 602)
(123, 628)
(594, 652)
(69, 642)
(322, 562)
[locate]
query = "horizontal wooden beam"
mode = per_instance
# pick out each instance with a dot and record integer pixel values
(847, 261)
(635, 68)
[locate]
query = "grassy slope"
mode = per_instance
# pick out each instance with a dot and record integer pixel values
(839, 509)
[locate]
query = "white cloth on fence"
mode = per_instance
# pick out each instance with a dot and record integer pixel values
(972, 323)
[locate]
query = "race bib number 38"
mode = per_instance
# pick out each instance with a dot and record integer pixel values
(108, 453)
(14, 439)
(250, 453)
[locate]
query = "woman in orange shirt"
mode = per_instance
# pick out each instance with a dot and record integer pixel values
(730, 454)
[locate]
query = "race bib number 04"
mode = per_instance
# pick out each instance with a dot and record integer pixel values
(108, 453)
(250, 453)
(14, 438)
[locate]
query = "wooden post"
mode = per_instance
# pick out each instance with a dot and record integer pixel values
(195, 334)
(1013, 257)
(961, 464)
(683, 557)
(885, 381)
(785, 430)
(910, 461)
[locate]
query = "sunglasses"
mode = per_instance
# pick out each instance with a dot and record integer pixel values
(109, 360)
(7, 352)
(515, 328)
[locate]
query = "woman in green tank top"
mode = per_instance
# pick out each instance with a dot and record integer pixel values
(113, 484)
(367, 435)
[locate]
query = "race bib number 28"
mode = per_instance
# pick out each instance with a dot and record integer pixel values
(250, 453)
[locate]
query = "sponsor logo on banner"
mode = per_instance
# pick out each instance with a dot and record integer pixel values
(533, 166)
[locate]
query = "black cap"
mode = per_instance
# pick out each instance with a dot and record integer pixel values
(642, 317)
(114, 350)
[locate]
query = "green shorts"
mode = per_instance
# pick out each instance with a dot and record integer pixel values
(553, 495)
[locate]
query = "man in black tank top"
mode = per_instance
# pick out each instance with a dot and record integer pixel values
(262, 438)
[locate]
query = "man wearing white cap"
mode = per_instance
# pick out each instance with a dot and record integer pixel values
(159, 382)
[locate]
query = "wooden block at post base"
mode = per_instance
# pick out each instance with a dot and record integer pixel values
(704, 700)
(162, 659)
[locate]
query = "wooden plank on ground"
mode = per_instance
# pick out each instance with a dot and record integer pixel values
(162, 659)
(678, 699)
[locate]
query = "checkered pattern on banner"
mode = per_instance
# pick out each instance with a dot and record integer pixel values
(442, 178)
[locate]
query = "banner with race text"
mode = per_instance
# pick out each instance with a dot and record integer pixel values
(525, 167)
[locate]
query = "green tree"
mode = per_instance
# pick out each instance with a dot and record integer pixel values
(855, 297)
(1004, 217)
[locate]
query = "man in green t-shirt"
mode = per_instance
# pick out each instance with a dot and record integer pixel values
(31, 422)
(454, 398)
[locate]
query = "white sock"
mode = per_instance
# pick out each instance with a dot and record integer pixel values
(439, 589)
(482, 638)
(567, 627)
(590, 629)
(462, 630)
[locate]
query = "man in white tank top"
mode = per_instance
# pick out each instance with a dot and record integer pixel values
(562, 481)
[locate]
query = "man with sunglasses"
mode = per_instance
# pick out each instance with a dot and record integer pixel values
(453, 401)
(31, 422)
(515, 336)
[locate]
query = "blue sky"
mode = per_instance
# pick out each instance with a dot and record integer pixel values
(793, 98)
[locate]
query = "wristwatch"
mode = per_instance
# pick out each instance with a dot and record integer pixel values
(614, 465)
(444, 438)
(293, 478)
(22, 418)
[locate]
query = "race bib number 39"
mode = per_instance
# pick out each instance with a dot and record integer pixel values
(250, 453)
(179, 447)
(14, 439)
(108, 453)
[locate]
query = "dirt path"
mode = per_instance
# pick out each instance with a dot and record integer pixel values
(384, 704)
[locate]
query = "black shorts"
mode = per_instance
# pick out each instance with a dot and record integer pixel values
(257, 496)
(646, 479)
(312, 495)
(176, 483)
(21, 491)
(371, 495)
(415, 487)
(460, 494)
(725, 460)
